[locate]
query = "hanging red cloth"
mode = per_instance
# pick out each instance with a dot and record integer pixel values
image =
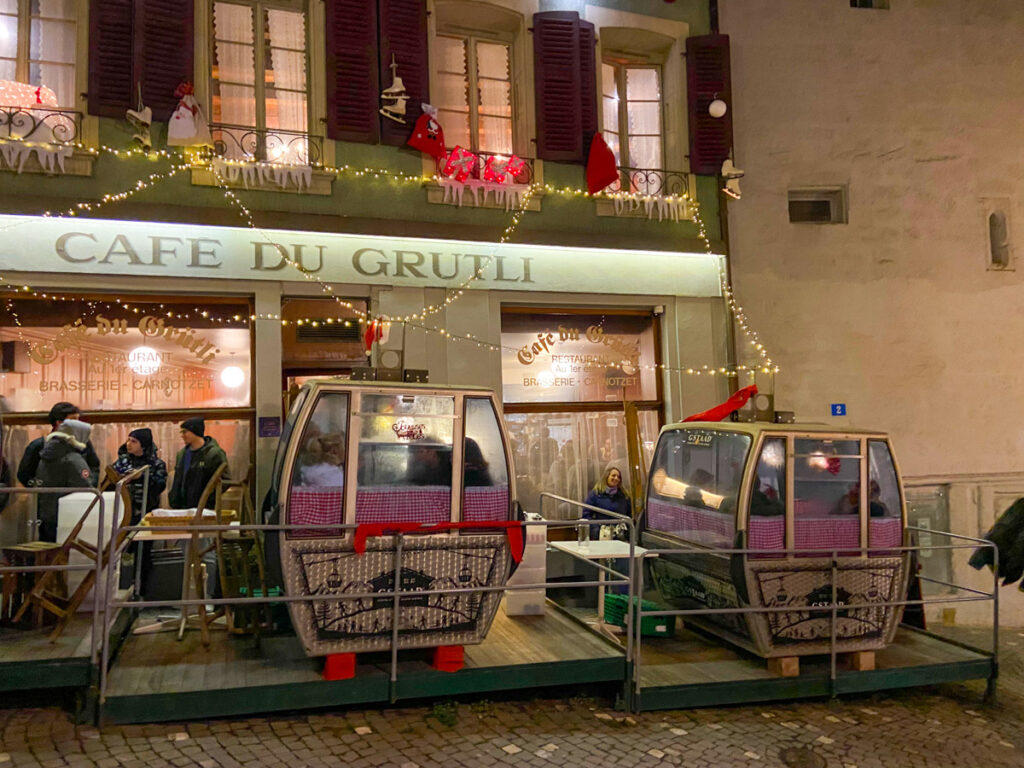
(513, 529)
(601, 170)
(722, 410)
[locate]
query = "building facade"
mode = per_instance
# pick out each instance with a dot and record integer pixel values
(875, 242)
(148, 286)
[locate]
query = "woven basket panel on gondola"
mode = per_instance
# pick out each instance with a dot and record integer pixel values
(330, 568)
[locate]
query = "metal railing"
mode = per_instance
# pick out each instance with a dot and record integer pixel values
(40, 124)
(266, 145)
(477, 169)
(651, 181)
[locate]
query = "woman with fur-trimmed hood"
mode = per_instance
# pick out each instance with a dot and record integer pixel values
(62, 464)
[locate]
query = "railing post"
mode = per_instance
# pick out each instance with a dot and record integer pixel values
(395, 615)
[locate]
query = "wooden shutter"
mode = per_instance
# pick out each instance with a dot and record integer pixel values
(708, 78)
(111, 38)
(588, 85)
(556, 72)
(352, 84)
(403, 34)
(164, 55)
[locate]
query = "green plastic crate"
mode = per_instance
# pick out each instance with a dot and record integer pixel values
(616, 607)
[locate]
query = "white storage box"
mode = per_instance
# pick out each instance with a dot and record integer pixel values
(70, 509)
(532, 570)
(524, 602)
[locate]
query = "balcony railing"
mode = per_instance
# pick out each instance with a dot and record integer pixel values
(478, 170)
(651, 181)
(266, 145)
(40, 124)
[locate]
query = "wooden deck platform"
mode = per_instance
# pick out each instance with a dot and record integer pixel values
(158, 678)
(692, 670)
(29, 661)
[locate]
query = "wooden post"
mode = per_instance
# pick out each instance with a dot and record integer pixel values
(785, 666)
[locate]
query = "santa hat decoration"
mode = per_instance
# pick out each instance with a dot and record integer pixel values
(427, 135)
(377, 331)
(601, 170)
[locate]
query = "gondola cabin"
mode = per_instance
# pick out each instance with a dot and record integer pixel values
(798, 494)
(387, 457)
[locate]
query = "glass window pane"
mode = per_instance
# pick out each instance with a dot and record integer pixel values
(645, 152)
(317, 493)
(456, 128)
(53, 9)
(611, 114)
(52, 41)
(8, 68)
(485, 467)
(695, 482)
(884, 495)
(451, 54)
(826, 503)
(452, 94)
(286, 110)
(609, 82)
(405, 458)
(8, 37)
(286, 69)
(568, 453)
(766, 526)
(643, 84)
(232, 23)
(234, 63)
(234, 105)
(60, 78)
(495, 98)
(492, 61)
(644, 118)
(286, 29)
(495, 134)
(612, 139)
(9, 6)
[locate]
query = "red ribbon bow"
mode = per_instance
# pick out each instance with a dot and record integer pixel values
(513, 529)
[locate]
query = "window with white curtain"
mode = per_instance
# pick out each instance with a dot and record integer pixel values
(258, 85)
(474, 76)
(38, 45)
(632, 110)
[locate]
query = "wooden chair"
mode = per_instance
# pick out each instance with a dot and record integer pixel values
(196, 570)
(240, 559)
(46, 593)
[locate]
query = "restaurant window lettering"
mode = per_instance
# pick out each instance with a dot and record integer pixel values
(107, 353)
(576, 358)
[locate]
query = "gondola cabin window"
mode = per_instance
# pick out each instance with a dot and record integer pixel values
(766, 528)
(826, 504)
(485, 494)
(695, 483)
(318, 479)
(885, 504)
(405, 459)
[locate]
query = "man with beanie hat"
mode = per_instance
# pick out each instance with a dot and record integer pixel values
(195, 465)
(61, 465)
(139, 450)
(30, 459)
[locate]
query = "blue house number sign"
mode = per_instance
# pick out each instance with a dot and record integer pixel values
(838, 409)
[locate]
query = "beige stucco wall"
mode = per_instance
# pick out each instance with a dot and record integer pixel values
(916, 109)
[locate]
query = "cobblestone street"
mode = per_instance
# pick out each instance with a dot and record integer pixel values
(941, 726)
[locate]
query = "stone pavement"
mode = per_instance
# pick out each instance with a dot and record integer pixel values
(941, 726)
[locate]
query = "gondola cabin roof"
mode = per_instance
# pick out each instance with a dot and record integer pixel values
(756, 428)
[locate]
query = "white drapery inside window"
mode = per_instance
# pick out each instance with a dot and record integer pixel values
(46, 54)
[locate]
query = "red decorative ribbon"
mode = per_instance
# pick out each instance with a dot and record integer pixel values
(722, 411)
(513, 529)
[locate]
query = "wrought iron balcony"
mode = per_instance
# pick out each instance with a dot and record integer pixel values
(651, 181)
(478, 169)
(266, 145)
(40, 124)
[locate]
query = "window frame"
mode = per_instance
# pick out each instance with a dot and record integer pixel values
(620, 67)
(470, 39)
(22, 60)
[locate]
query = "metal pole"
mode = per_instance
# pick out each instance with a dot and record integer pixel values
(395, 616)
(832, 629)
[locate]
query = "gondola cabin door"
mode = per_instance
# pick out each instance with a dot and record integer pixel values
(383, 458)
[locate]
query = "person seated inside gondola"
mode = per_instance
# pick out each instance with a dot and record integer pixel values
(849, 504)
(764, 502)
(701, 480)
(321, 463)
(476, 468)
(430, 463)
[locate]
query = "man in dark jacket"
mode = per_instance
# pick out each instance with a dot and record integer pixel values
(195, 465)
(140, 451)
(61, 464)
(30, 460)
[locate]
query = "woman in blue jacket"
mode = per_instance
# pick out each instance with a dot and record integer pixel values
(608, 494)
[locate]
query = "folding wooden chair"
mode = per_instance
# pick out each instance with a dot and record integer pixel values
(196, 576)
(240, 560)
(46, 595)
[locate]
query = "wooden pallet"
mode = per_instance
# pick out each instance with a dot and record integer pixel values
(789, 666)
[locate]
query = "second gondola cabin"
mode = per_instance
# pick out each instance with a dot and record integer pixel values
(799, 494)
(384, 457)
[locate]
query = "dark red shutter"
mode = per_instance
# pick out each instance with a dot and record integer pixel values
(708, 78)
(403, 34)
(588, 84)
(352, 86)
(164, 55)
(556, 72)
(111, 37)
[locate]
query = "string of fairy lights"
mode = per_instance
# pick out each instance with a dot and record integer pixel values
(415, 320)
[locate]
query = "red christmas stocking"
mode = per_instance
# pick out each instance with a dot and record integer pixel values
(427, 135)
